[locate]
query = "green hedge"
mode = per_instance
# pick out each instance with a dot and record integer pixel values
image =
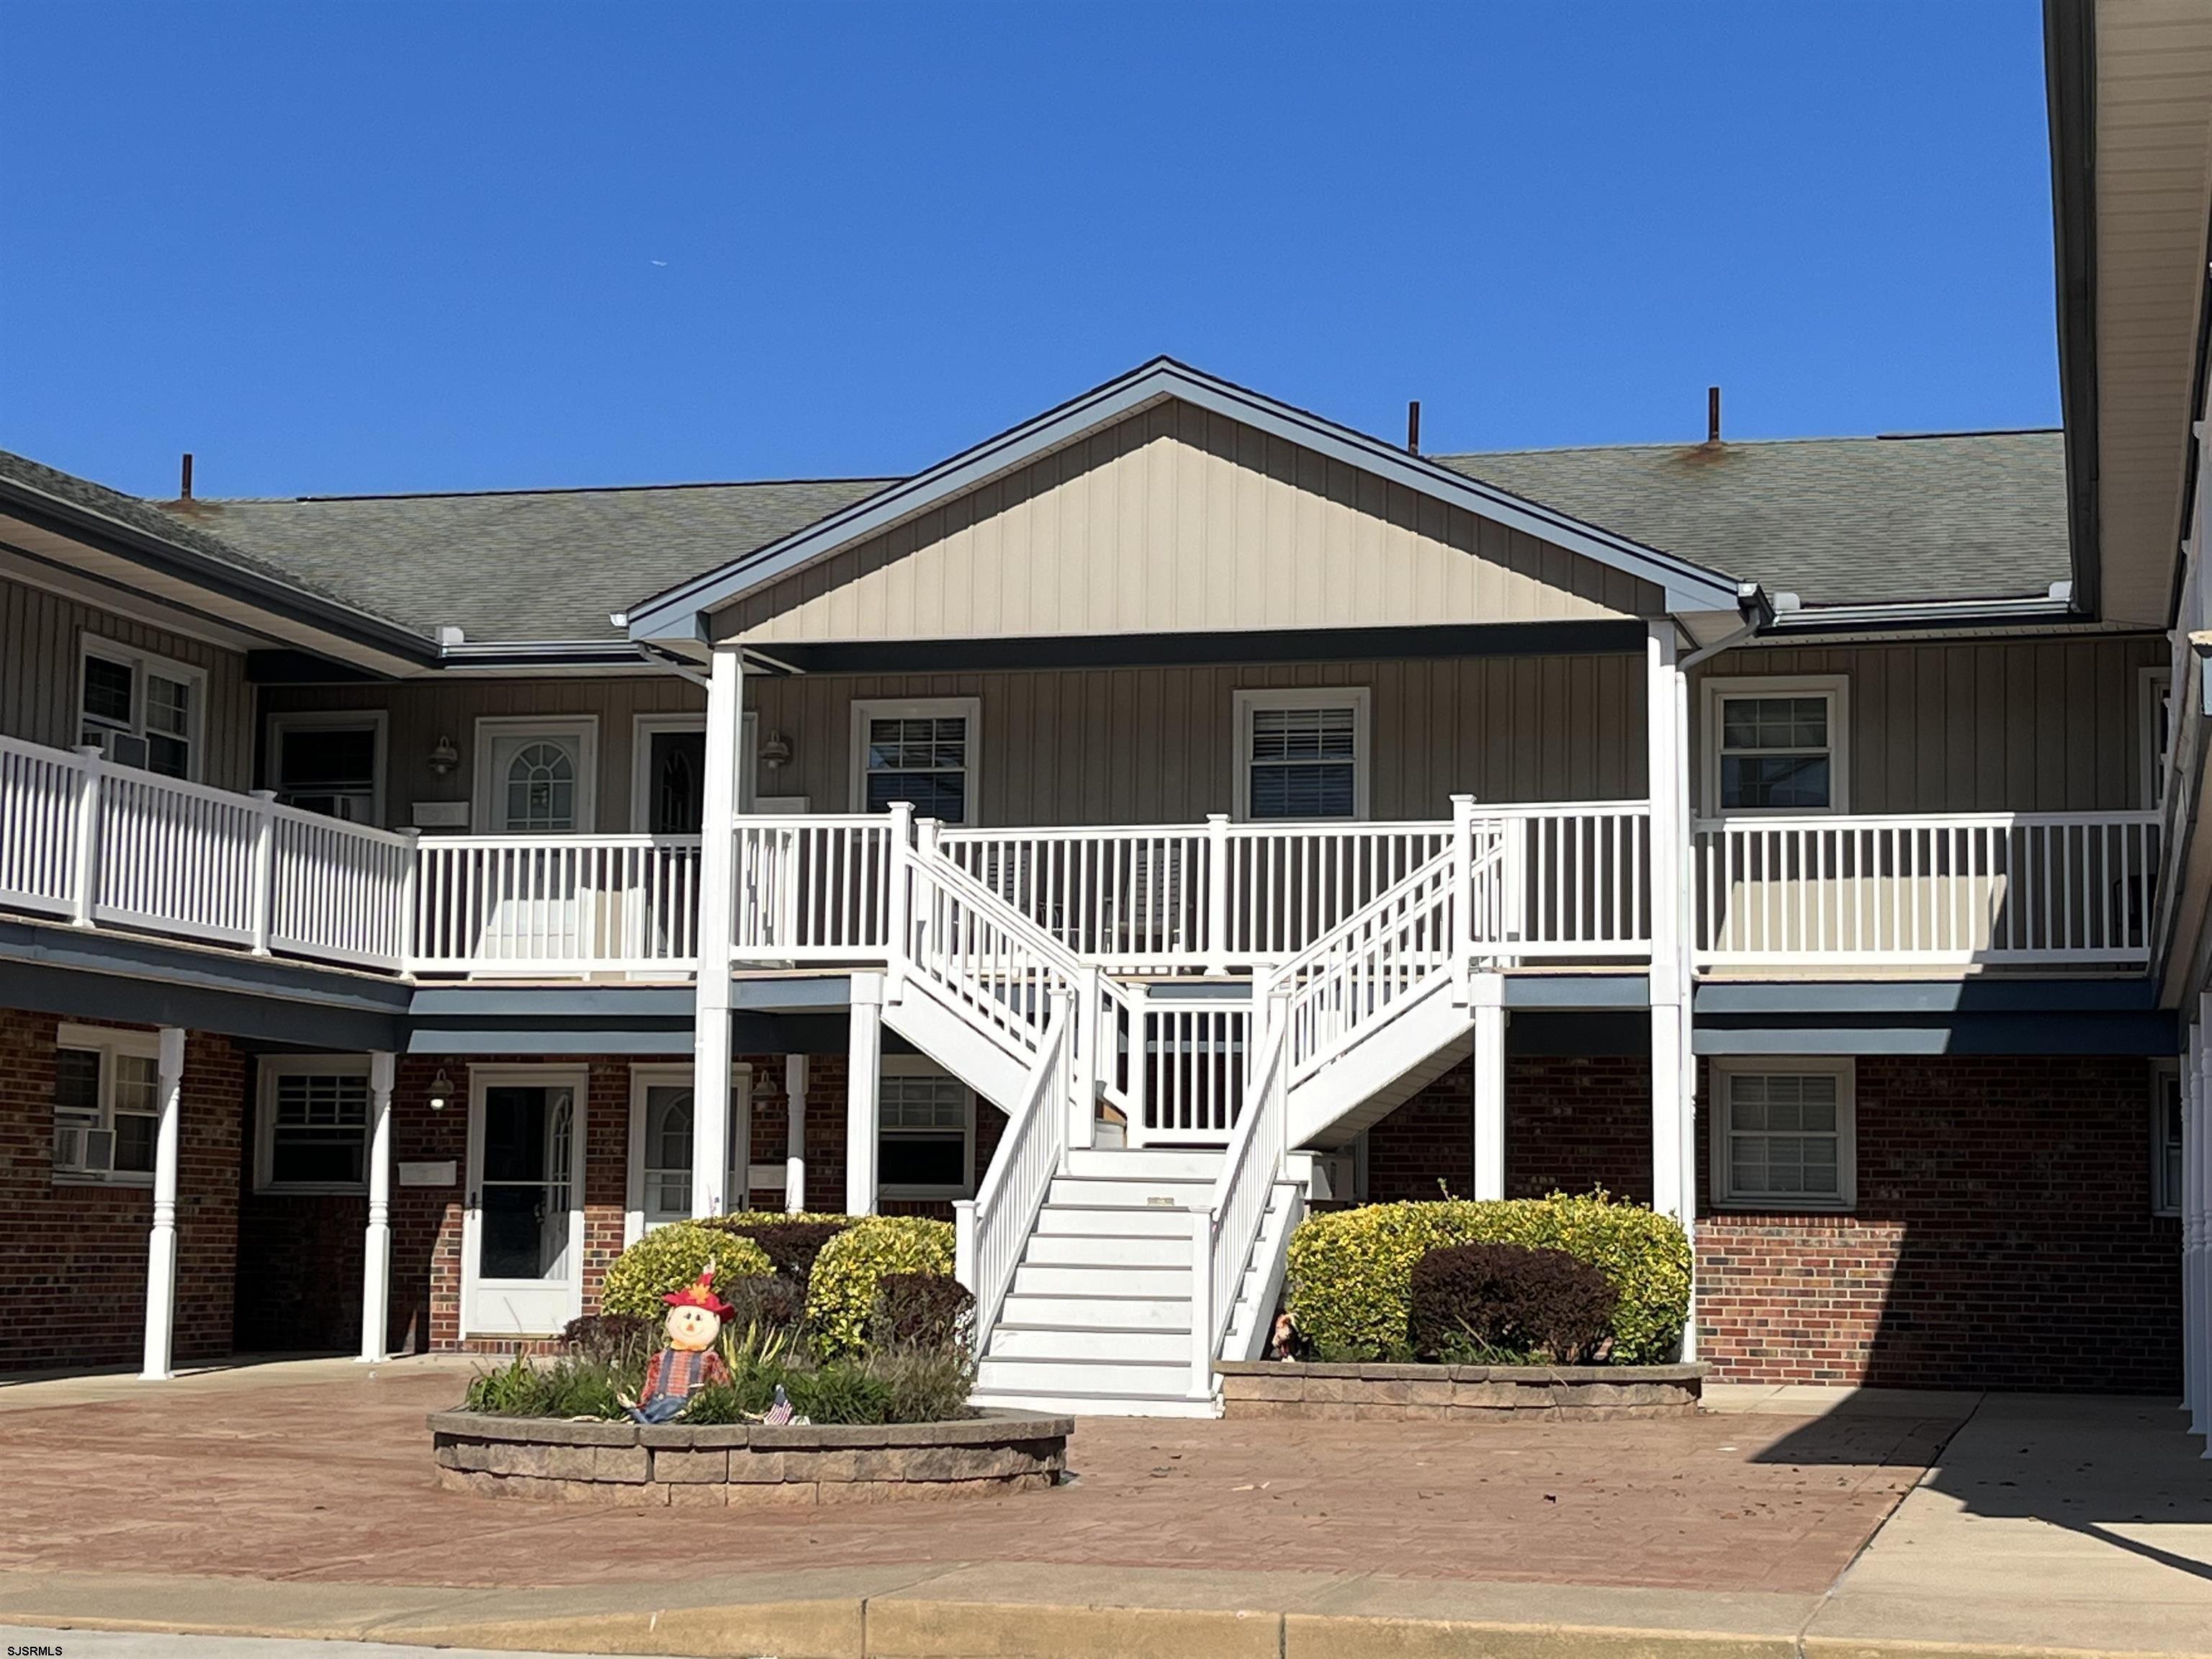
(1350, 1276)
(841, 1294)
(667, 1258)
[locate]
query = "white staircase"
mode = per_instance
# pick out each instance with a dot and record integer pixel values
(1108, 1280)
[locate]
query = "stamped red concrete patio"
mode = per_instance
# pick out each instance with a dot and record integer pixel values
(323, 1474)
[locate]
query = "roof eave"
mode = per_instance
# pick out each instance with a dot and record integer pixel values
(2069, 82)
(681, 613)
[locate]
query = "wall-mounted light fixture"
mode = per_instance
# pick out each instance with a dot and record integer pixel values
(445, 758)
(775, 751)
(441, 1089)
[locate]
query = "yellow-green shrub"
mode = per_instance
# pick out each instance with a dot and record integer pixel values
(841, 1294)
(668, 1258)
(1350, 1276)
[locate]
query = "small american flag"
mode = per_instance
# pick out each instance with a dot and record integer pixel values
(781, 1411)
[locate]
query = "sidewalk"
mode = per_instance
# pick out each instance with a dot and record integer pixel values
(2048, 1526)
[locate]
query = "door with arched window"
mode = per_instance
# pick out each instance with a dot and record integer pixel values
(536, 780)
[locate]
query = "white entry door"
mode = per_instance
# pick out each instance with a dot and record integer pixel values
(535, 782)
(522, 1234)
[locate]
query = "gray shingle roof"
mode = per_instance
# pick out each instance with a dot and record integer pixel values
(1835, 521)
(516, 566)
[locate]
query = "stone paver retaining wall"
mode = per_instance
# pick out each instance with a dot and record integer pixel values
(1469, 1394)
(745, 1463)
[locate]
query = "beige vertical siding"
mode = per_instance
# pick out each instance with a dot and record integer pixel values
(1980, 725)
(420, 711)
(1154, 745)
(1178, 519)
(40, 642)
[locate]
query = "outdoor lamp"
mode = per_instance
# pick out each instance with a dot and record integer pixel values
(776, 752)
(440, 1086)
(445, 758)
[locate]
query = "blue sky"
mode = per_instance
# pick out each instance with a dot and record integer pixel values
(366, 248)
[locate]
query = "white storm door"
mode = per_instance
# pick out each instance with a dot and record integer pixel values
(536, 781)
(522, 1234)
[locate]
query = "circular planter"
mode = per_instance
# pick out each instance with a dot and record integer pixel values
(1457, 1394)
(746, 1463)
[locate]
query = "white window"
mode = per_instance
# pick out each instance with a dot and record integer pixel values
(536, 777)
(1784, 1134)
(141, 710)
(661, 1147)
(1775, 745)
(329, 763)
(927, 1145)
(923, 751)
(107, 1102)
(1302, 754)
(2154, 698)
(310, 1127)
(2165, 1137)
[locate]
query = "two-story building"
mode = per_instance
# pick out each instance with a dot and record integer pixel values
(1171, 814)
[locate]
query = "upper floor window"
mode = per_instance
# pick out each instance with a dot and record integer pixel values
(312, 1135)
(141, 710)
(328, 763)
(107, 1102)
(1302, 754)
(922, 751)
(1775, 745)
(2155, 692)
(1784, 1134)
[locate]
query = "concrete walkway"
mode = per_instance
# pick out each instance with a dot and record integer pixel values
(2046, 1525)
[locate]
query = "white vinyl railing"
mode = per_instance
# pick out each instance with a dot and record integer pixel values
(1287, 884)
(1999, 887)
(1192, 1058)
(94, 843)
(1226, 1232)
(1577, 880)
(812, 889)
(1131, 900)
(992, 1230)
(1350, 981)
(557, 904)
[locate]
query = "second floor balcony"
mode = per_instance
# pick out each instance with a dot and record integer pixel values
(100, 845)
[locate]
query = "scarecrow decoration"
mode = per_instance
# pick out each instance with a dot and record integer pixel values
(688, 1361)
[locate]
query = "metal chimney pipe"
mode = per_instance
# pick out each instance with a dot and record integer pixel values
(185, 485)
(1712, 414)
(1413, 426)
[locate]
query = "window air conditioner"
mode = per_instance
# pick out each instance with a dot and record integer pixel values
(79, 1150)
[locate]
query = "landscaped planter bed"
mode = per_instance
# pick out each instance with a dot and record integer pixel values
(742, 1463)
(1457, 1394)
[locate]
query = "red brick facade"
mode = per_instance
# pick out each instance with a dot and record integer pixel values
(73, 1258)
(2002, 1236)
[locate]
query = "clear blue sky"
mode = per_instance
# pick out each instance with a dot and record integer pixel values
(367, 247)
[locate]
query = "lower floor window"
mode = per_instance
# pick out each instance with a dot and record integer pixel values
(313, 1126)
(1784, 1134)
(928, 1121)
(2165, 1137)
(107, 1103)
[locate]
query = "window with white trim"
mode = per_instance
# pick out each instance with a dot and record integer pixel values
(1775, 745)
(139, 710)
(1784, 1134)
(328, 763)
(2154, 693)
(925, 1146)
(311, 1127)
(923, 751)
(2166, 1141)
(107, 1103)
(1302, 754)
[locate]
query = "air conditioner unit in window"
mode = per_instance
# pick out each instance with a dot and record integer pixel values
(80, 1150)
(123, 748)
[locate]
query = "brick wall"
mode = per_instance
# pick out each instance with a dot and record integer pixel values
(2002, 1236)
(73, 1259)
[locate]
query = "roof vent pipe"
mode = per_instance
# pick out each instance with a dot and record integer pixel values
(1712, 414)
(184, 483)
(1413, 426)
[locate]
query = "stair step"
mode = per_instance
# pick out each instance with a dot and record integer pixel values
(1126, 1379)
(1096, 1220)
(1035, 1280)
(1109, 1250)
(1132, 1192)
(1105, 1312)
(1071, 1402)
(1033, 1342)
(1162, 1163)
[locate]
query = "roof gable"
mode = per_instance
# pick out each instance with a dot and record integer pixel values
(683, 612)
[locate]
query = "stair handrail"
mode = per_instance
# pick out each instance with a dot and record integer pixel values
(1225, 1230)
(991, 1229)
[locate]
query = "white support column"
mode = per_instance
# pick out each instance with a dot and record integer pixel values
(1666, 770)
(794, 1144)
(1489, 1086)
(710, 1037)
(161, 1244)
(2192, 1224)
(1685, 949)
(2197, 1287)
(863, 1061)
(376, 1257)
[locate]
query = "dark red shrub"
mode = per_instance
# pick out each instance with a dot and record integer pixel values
(1503, 1302)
